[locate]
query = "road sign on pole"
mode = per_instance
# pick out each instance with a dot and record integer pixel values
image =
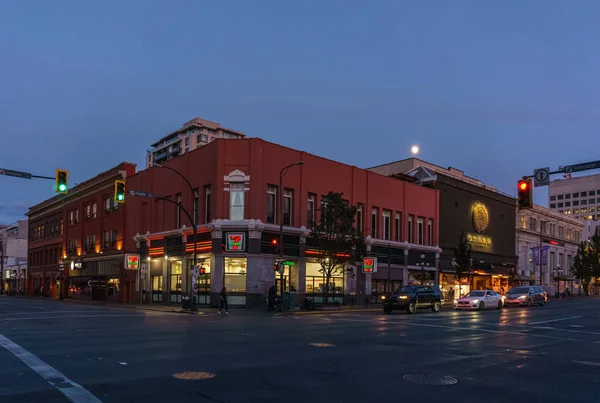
(586, 166)
(17, 174)
(541, 176)
(141, 194)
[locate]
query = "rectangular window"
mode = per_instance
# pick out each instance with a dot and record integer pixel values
(584, 202)
(552, 205)
(592, 193)
(93, 241)
(420, 230)
(207, 204)
(71, 217)
(387, 221)
(94, 210)
(88, 211)
(86, 243)
(115, 204)
(106, 239)
(187, 141)
(560, 205)
(430, 232)
(591, 201)
(560, 197)
(552, 198)
(410, 228)
(236, 201)
(583, 194)
(310, 210)
(288, 196)
(575, 195)
(374, 222)
(567, 204)
(178, 201)
(360, 219)
(76, 216)
(568, 196)
(113, 238)
(70, 248)
(575, 202)
(271, 198)
(107, 204)
(398, 226)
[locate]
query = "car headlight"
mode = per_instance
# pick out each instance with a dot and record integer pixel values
(456, 301)
(383, 297)
(475, 301)
(522, 297)
(403, 297)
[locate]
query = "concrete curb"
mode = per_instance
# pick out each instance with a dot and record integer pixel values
(332, 312)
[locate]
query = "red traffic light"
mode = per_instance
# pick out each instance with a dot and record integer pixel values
(523, 186)
(274, 241)
(525, 194)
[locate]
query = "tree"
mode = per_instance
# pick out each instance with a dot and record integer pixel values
(337, 240)
(581, 268)
(462, 257)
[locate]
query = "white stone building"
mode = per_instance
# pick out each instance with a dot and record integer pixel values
(13, 256)
(559, 235)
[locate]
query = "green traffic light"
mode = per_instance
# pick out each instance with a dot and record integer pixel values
(62, 187)
(120, 197)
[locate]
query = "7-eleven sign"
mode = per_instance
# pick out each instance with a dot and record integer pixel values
(370, 265)
(132, 262)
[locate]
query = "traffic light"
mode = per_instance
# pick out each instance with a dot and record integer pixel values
(525, 193)
(62, 181)
(275, 266)
(119, 191)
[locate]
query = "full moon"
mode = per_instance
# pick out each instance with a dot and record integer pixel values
(414, 149)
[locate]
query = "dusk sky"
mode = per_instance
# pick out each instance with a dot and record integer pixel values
(494, 88)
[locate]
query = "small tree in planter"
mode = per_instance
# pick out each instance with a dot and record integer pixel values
(462, 257)
(337, 240)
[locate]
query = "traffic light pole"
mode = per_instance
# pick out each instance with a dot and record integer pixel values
(194, 222)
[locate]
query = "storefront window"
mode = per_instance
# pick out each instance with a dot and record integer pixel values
(114, 287)
(315, 284)
(235, 274)
(176, 269)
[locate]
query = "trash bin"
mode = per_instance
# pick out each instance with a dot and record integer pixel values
(185, 302)
(292, 301)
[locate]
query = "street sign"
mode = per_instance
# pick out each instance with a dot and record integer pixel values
(132, 261)
(541, 176)
(61, 267)
(16, 174)
(141, 194)
(586, 166)
(370, 265)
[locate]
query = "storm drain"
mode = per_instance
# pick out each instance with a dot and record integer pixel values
(194, 376)
(425, 379)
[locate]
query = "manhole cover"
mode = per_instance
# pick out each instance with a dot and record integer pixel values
(425, 379)
(194, 376)
(322, 345)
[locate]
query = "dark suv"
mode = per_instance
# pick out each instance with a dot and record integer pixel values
(526, 296)
(412, 297)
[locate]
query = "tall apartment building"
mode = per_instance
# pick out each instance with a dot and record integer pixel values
(577, 197)
(193, 134)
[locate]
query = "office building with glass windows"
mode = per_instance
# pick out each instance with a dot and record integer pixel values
(577, 197)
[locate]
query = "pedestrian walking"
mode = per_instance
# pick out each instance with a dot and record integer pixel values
(223, 296)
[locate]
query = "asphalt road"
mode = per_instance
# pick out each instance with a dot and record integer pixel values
(54, 352)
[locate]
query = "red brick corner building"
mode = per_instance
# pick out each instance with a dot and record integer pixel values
(235, 197)
(75, 245)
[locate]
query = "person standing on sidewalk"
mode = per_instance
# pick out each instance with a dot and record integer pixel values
(223, 296)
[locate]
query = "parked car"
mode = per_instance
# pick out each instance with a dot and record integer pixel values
(412, 297)
(526, 296)
(480, 299)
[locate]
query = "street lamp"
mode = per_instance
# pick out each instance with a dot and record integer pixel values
(194, 226)
(558, 270)
(281, 175)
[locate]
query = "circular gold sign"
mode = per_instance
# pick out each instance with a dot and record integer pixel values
(481, 217)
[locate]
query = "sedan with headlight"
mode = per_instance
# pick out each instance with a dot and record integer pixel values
(526, 296)
(480, 299)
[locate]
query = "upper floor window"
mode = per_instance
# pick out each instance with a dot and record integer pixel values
(178, 201)
(420, 230)
(310, 210)
(386, 224)
(287, 207)
(410, 228)
(88, 211)
(398, 226)
(107, 204)
(106, 239)
(271, 198)
(207, 202)
(94, 210)
(360, 219)
(236, 201)
(430, 232)
(374, 214)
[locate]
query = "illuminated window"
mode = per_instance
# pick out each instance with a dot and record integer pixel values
(523, 222)
(235, 275)
(236, 204)
(271, 207)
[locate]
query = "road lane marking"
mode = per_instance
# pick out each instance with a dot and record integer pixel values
(38, 307)
(70, 316)
(73, 391)
(37, 313)
(591, 363)
(554, 320)
(471, 329)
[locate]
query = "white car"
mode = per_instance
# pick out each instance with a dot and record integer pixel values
(480, 299)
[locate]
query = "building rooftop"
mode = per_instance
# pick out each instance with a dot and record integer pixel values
(195, 123)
